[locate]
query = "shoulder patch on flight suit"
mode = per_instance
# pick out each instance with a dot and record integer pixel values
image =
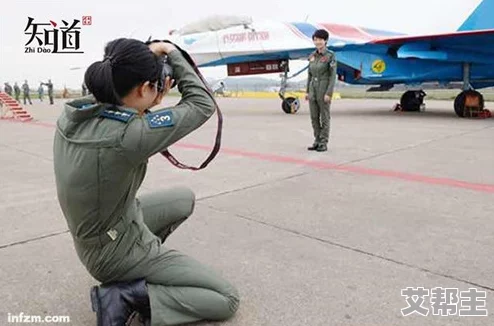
(312, 56)
(87, 106)
(160, 119)
(333, 62)
(122, 116)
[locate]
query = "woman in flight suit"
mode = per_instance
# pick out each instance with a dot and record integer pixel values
(101, 149)
(320, 86)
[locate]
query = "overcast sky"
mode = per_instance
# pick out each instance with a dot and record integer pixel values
(138, 19)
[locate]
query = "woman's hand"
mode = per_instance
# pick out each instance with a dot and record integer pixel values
(161, 48)
(168, 85)
(327, 99)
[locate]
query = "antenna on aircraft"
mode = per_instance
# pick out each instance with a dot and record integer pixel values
(306, 18)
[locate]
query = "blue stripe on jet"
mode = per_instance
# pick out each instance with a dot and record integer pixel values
(376, 32)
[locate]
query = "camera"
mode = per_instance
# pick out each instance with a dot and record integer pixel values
(166, 71)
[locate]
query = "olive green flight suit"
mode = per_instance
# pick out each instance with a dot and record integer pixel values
(320, 82)
(17, 91)
(25, 88)
(100, 160)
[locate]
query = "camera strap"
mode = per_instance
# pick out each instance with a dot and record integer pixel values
(217, 143)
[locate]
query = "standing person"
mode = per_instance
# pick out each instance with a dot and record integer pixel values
(320, 86)
(101, 149)
(50, 90)
(8, 89)
(17, 92)
(26, 90)
(40, 92)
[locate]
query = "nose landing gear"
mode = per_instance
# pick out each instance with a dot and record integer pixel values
(290, 104)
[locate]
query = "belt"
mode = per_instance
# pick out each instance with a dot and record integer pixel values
(111, 235)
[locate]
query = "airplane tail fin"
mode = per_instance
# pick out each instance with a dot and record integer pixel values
(481, 17)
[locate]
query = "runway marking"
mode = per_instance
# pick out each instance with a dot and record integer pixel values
(488, 188)
(448, 182)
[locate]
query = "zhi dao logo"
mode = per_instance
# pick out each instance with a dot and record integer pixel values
(53, 37)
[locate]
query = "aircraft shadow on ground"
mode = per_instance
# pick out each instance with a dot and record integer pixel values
(386, 112)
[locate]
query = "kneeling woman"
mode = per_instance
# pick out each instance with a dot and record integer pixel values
(101, 149)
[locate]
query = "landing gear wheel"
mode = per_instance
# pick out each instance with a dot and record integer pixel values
(412, 100)
(290, 105)
(476, 104)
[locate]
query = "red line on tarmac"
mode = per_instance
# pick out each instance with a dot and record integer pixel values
(479, 187)
(488, 188)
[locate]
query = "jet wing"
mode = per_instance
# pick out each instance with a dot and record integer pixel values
(236, 41)
(471, 46)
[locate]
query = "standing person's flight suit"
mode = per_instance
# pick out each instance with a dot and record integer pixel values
(320, 83)
(100, 156)
(17, 92)
(26, 90)
(8, 89)
(50, 90)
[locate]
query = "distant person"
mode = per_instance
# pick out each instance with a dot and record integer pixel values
(40, 92)
(84, 89)
(17, 92)
(7, 89)
(50, 90)
(320, 86)
(219, 89)
(26, 90)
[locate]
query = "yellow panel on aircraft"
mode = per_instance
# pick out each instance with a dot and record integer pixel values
(378, 66)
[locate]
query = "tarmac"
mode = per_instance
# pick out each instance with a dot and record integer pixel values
(400, 200)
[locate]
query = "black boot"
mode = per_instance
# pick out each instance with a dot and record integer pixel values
(313, 147)
(322, 148)
(115, 303)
